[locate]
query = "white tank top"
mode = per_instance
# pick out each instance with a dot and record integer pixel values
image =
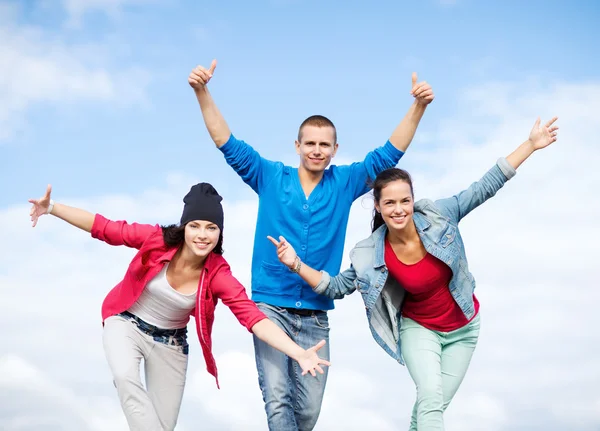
(162, 306)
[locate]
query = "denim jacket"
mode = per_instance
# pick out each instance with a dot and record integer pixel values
(437, 226)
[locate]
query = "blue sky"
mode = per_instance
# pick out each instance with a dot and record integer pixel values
(94, 99)
(279, 61)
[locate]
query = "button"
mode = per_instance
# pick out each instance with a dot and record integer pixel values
(382, 269)
(298, 304)
(303, 247)
(298, 286)
(305, 206)
(305, 225)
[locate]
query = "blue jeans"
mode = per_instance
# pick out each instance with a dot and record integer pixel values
(437, 362)
(292, 401)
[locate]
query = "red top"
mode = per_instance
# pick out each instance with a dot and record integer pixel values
(428, 299)
(216, 282)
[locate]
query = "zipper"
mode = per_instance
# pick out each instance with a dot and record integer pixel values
(200, 299)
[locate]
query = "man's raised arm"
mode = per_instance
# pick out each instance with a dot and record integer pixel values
(214, 121)
(405, 132)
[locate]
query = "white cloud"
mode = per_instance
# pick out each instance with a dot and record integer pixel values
(77, 9)
(39, 68)
(38, 402)
(531, 249)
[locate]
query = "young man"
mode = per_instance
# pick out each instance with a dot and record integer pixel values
(309, 206)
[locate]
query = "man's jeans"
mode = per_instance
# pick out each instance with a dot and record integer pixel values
(292, 401)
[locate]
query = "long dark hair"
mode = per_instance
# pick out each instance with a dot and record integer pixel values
(382, 180)
(174, 236)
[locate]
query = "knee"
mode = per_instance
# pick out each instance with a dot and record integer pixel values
(307, 416)
(430, 397)
(276, 398)
(123, 380)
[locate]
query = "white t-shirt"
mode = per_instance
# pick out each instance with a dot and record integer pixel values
(162, 306)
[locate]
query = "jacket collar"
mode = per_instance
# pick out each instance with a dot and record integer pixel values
(378, 238)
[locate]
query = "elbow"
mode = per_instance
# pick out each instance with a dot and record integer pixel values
(220, 140)
(338, 295)
(257, 326)
(331, 293)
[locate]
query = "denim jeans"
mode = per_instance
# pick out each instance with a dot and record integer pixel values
(437, 363)
(292, 401)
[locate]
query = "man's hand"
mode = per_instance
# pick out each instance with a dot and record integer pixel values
(200, 76)
(422, 91)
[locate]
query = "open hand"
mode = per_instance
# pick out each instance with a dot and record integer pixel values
(200, 76)
(541, 137)
(285, 252)
(422, 91)
(40, 206)
(309, 361)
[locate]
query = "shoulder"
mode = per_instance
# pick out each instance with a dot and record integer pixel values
(337, 170)
(426, 206)
(218, 270)
(432, 222)
(430, 210)
(155, 241)
(362, 254)
(216, 263)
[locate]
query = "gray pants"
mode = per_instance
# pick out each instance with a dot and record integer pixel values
(157, 407)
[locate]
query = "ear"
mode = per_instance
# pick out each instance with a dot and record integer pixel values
(377, 208)
(297, 145)
(335, 148)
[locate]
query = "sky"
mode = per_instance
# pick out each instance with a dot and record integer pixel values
(94, 99)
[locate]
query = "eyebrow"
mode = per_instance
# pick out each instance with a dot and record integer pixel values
(320, 143)
(392, 199)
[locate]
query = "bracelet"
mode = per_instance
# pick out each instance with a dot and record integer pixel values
(50, 207)
(297, 265)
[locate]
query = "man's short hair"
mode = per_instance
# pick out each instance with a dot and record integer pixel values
(317, 121)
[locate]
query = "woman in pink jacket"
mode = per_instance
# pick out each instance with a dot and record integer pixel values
(179, 271)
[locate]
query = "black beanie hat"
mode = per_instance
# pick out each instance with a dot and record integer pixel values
(202, 203)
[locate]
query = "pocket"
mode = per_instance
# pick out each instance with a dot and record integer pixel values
(321, 320)
(182, 349)
(448, 236)
(271, 277)
(361, 285)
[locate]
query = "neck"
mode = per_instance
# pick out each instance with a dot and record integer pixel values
(403, 236)
(185, 259)
(309, 177)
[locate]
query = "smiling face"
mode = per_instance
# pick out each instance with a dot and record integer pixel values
(396, 204)
(316, 147)
(201, 237)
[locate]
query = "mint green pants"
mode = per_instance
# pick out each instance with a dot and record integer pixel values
(437, 363)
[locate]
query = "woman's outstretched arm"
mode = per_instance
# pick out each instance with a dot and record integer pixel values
(82, 219)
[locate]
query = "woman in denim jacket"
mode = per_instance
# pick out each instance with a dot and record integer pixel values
(414, 278)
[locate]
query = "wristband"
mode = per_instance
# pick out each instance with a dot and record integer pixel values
(50, 207)
(297, 265)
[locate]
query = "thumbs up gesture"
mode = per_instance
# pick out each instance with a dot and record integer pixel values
(200, 76)
(422, 91)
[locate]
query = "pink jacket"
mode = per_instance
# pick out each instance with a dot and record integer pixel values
(216, 281)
